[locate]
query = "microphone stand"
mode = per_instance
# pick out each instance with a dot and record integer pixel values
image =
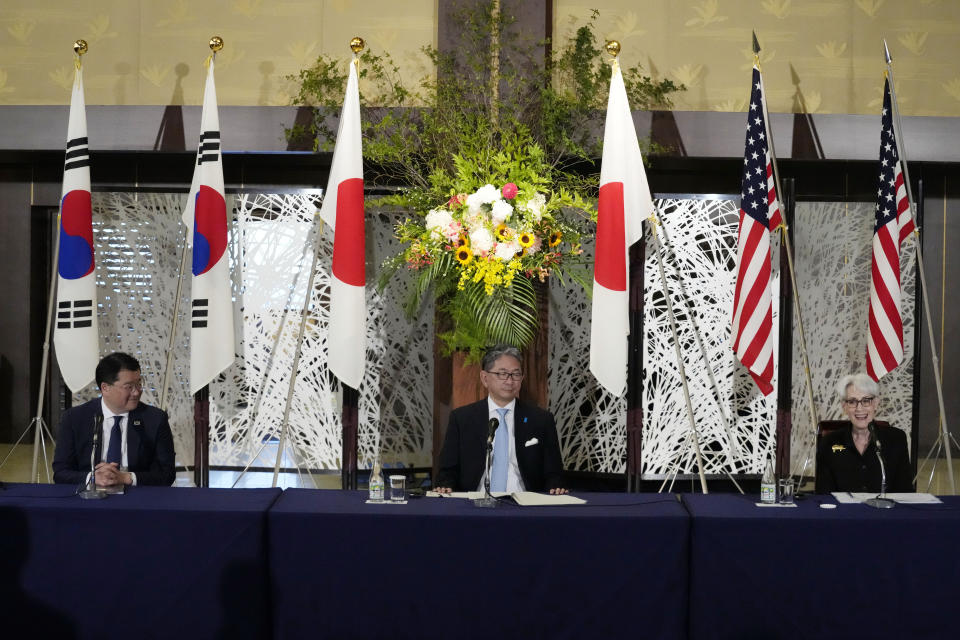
(881, 501)
(488, 500)
(90, 490)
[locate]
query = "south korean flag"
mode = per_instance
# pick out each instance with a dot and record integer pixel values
(76, 336)
(211, 326)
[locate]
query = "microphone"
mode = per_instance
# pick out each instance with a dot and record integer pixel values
(97, 430)
(90, 490)
(873, 436)
(491, 430)
(881, 501)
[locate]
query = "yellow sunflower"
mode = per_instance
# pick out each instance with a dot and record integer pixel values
(503, 231)
(461, 241)
(555, 238)
(526, 239)
(464, 255)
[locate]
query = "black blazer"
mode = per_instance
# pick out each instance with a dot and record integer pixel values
(840, 467)
(462, 458)
(149, 445)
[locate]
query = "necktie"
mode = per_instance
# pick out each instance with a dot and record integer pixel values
(113, 449)
(501, 453)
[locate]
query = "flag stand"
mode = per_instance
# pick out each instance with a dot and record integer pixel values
(41, 430)
(284, 428)
(733, 450)
(269, 366)
(785, 237)
(944, 437)
(694, 434)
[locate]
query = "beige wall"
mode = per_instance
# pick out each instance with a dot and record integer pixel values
(834, 46)
(151, 52)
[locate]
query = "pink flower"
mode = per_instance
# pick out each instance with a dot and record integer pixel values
(509, 191)
(457, 200)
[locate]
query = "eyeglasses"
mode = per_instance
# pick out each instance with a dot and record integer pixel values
(130, 387)
(853, 403)
(504, 375)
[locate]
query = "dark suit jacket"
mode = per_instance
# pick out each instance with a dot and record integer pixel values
(149, 445)
(840, 467)
(462, 459)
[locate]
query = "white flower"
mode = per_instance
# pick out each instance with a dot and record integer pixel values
(535, 206)
(440, 223)
(488, 194)
(506, 250)
(501, 211)
(481, 241)
(437, 219)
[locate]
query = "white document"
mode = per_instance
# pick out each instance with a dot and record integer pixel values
(845, 497)
(533, 499)
(522, 498)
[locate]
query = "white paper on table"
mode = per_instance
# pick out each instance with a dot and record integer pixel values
(522, 498)
(470, 495)
(846, 497)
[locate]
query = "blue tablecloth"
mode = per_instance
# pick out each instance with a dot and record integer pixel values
(443, 568)
(808, 572)
(157, 562)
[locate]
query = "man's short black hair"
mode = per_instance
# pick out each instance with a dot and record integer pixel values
(109, 368)
(499, 350)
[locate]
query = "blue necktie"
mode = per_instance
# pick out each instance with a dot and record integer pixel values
(501, 453)
(113, 450)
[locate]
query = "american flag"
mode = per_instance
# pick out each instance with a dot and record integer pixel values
(893, 225)
(759, 214)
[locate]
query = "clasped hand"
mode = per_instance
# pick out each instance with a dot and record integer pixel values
(108, 474)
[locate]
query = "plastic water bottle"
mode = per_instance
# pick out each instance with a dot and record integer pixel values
(768, 484)
(376, 483)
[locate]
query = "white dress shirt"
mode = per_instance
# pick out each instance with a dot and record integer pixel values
(514, 479)
(108, 417)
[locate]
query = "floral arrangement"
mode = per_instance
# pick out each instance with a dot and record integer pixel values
(494, 234)
(481, 252)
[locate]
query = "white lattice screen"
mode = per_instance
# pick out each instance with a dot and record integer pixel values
(138, 243)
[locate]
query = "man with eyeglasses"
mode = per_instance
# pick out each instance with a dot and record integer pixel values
(135, 444)
(526, 451)
(847, 458)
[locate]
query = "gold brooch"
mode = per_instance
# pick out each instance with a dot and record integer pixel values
(838, 447)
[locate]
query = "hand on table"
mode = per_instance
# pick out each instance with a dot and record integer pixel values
(442, 490)
(108, 474)
(558, 491)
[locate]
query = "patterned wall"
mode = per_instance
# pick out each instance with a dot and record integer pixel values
(150, 51)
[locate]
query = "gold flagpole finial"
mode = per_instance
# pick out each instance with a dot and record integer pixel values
(80, 47)
(357, 44)
(613, 48)
(216, 43)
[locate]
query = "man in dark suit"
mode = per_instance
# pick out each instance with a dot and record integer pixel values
(526, 452)
(135, 442)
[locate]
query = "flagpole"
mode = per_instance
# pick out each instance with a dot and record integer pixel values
(173, 327)
(944, 434)
(654, 221)
(80, 47)
(296, 356)
(814, 420)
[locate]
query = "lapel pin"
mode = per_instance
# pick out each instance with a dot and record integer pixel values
(838, 447)
(136, 423)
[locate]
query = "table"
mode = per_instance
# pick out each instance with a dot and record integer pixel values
(807, 572)
(443, 568)
(158, 562)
